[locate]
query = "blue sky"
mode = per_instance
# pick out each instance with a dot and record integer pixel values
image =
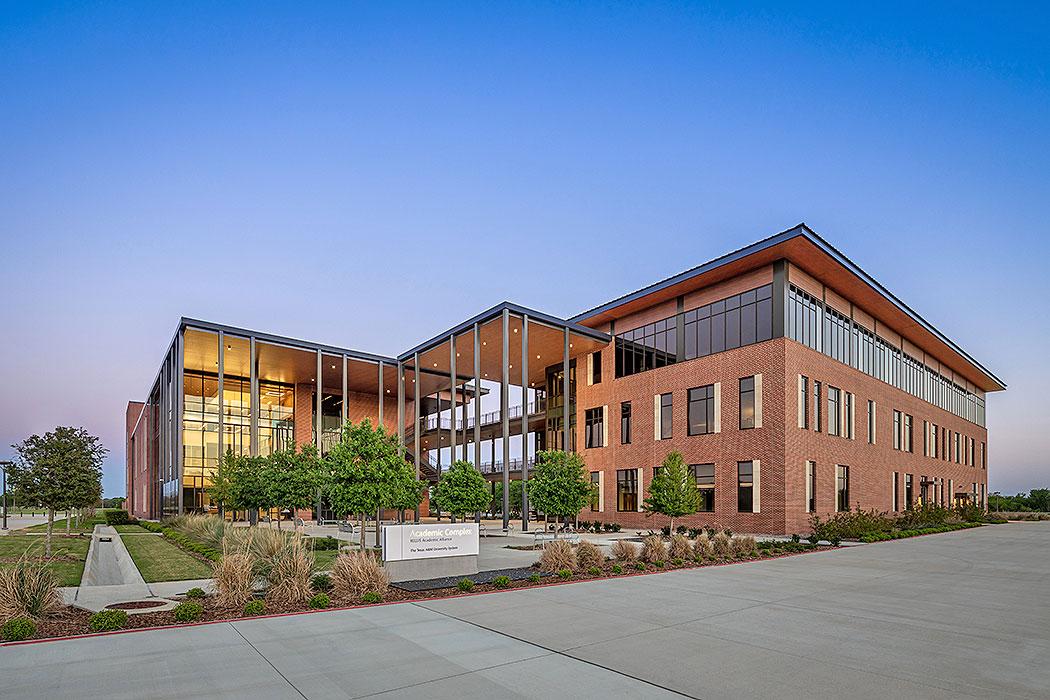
(367, 176)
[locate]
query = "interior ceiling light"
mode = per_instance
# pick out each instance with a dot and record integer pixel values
(333, 366)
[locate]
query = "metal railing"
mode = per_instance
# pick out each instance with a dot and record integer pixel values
(435, 422)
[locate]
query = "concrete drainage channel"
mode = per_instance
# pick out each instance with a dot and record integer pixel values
(111, 579)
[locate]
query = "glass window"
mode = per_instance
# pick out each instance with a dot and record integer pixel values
(625, 423)
(896, 430)
(841, 488)
(594, 427)
(909, 493)
(702, 410)
(816, 406)
(596, 367)
(596, 495)
(834, 411)
(871, 422)
(908, 436)
(811, 487)
(666, 416)
(803, 399)
(626, 489)
(704, 475)
(745, 486)
(896, 488)
(747, 403)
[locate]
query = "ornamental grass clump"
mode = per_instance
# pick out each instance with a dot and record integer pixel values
(17, 628)
(355, 573)
(680, 548)
(588, 555)
(653, 549)
(721, 545)
(466, 585)
(557, 555)
(108, 620)
(624, 551)
(28, 589)
(744, 546)
(702, 548)
(501, 582)
(290, 573)
(234, 575)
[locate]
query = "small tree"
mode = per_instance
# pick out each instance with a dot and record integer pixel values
(61, 470)
(367, 472)
(220, 489)
(248, 488)
(559, 485)
(462, 489)
(292, 478)
(672, 492)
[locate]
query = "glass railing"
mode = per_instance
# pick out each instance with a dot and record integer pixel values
(435, 422)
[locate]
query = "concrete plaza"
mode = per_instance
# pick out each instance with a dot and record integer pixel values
(962, 614)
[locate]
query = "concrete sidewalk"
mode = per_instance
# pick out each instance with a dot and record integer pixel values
(957, 615)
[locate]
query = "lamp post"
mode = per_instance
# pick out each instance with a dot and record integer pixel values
(4, 466)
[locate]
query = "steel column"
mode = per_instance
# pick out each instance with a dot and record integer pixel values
(565, 442)
(343, 413)
(222, 376)
(400, 408)
(503, 402)
(180, 401)
(477, 395)
(452, 398)
(318, 401)
(524, 419)
(253, 399)
(382, 395)
(415, 420)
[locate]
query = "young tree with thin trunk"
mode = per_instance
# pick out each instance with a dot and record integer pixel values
(461, 490)
(672, 492)
(61, 470)
(559, 485)
(293, 478)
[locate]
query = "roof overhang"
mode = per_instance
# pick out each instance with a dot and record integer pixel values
(804, 248)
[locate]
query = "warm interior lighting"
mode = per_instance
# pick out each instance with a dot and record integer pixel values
(333, 366)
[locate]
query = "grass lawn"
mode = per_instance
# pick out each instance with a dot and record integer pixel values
(160, 560)
(72, 552)
(323, 559)
(125, 529)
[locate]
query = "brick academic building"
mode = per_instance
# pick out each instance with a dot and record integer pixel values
(791, 381)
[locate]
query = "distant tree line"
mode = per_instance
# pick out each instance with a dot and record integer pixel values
(1037, 500)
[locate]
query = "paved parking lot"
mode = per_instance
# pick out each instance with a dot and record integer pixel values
(962, 614)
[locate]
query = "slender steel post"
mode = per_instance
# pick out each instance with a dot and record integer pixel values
(477, 404)
(222, 393)
(382, 395)
(4, 466)
(452, 398)
(253, 399)
(343, 412)
(415, 419)
(318, 400)
(565, 442)
(401, 406)
(524, 420)
(505, 418)
(180, 401)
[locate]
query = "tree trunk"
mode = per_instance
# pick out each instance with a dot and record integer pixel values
(50, 526)
(67, 527)
(670, 528)
(278, 518)
(362, 535)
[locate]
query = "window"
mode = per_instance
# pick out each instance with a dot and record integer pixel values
(871, 422)
(747, 403)
(704, 475)
(594, 427)
(946, 447)
(834, 411)
(934, 432)
(956, 448)
(729, 323)
(745, 486)
(984, 457)
(896, 430)
(847, 420)
(702, 410)
(625, 423)
(816, 406)
(841, 488)
(909, 492)
(811, 487)
(596, 367)
(626, 490)
(896, 486)
(596, 494)
(803, 402)
(908, 445)
(666, 416)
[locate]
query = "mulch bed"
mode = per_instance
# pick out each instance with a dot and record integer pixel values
(71, 621)
(478, 578)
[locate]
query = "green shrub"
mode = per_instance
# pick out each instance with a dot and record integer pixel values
(501, 582)
(321, 600)
(594, 571)
(534, 578)
(195, 592)
(678, 561)
(565, 574)
(659, 564)
(835, 541)
(118, 517)
(188, 611)
(640, 566)
(17, 628)
(324, 544)
(108, 620)
(465, 584)
(813, 538)
(373, 597)
(617, 569)
(795, 538)
(321, 582)
(254, 607)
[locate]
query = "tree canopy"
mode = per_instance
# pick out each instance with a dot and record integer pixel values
(461, 490)
(60, 470)
(672, 492)
(559, 485)
(292, 477)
